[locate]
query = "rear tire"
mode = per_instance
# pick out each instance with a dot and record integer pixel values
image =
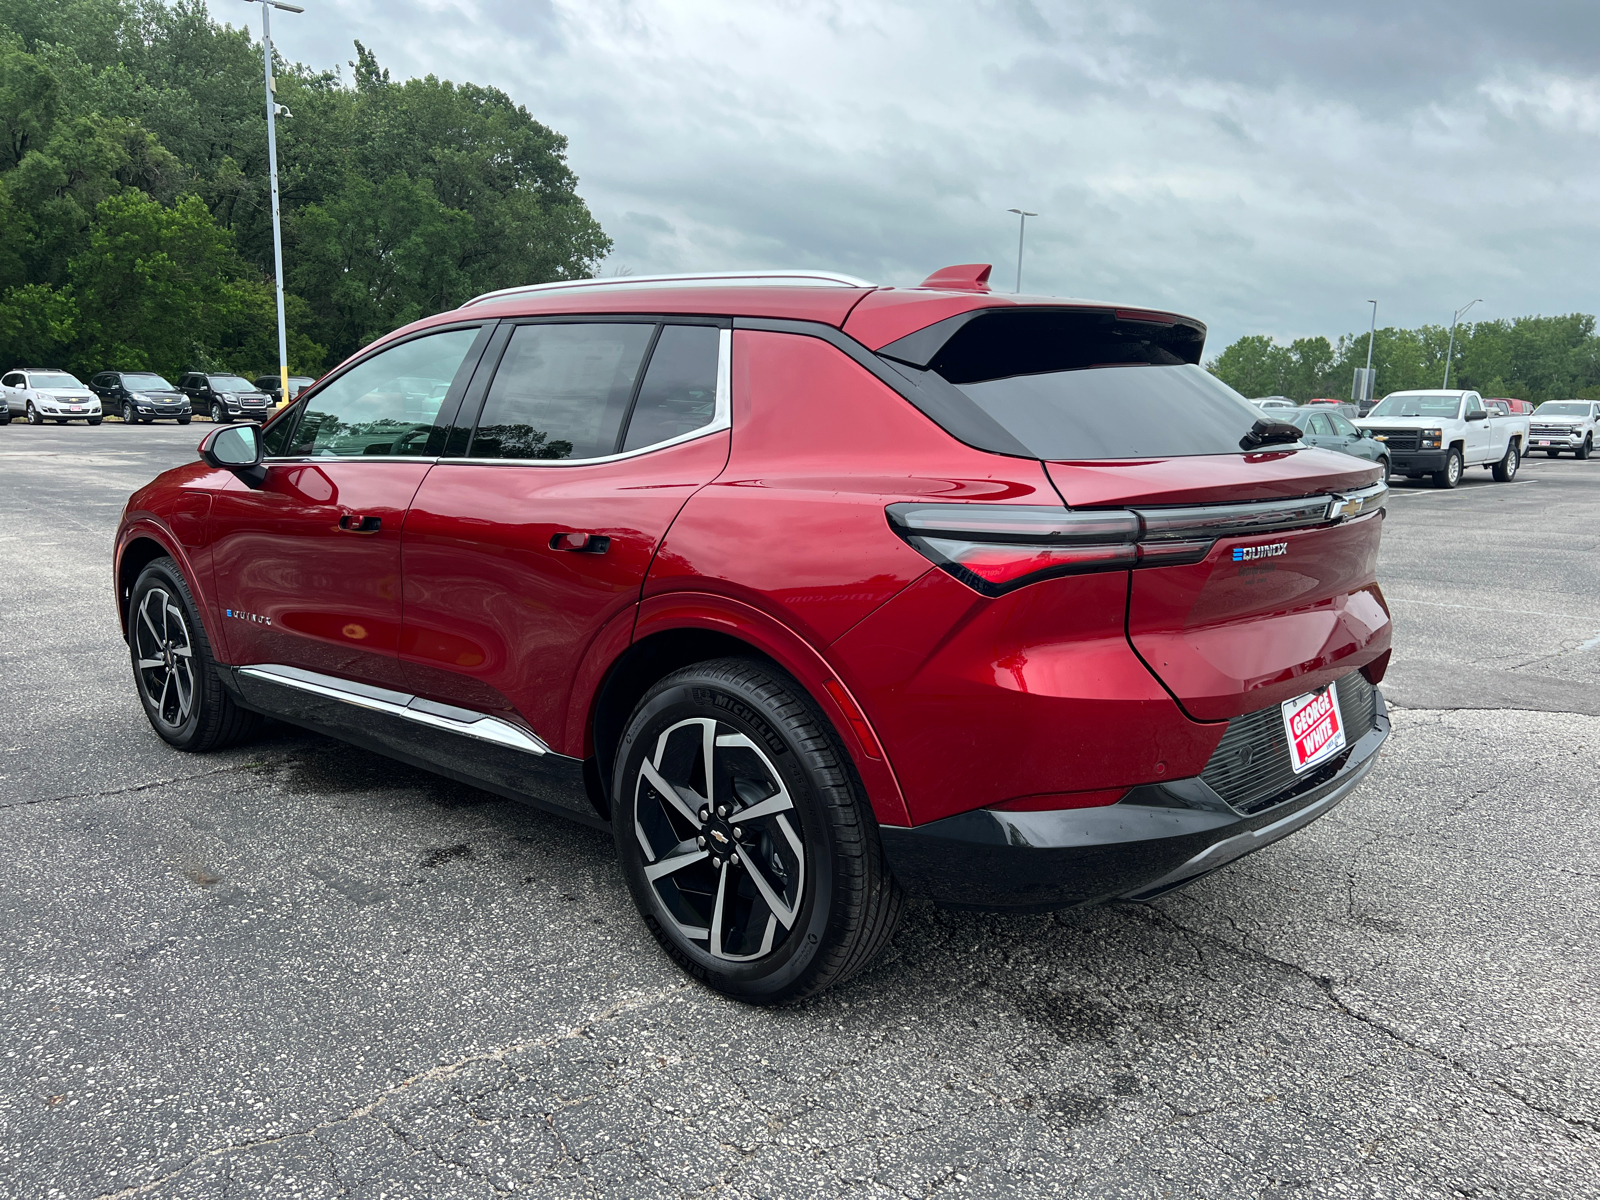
(1506, 469)
(1451, 475)
(173, 668)
(1384, 463)
(782, 889)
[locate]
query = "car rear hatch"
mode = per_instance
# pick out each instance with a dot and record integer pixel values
(1253, 578)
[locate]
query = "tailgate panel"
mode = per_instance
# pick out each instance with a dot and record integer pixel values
(1228, 637)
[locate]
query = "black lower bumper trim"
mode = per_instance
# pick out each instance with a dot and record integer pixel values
(1158, 837)
(1425, 461)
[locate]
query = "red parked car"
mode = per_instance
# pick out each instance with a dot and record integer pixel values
(819, 595)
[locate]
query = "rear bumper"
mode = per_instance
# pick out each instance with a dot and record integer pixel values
(1157, 838)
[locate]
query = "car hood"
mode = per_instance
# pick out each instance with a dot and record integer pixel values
(66, 393)
(160, 395)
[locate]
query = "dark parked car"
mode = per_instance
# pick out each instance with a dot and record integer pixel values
(137, 396)
(1332, 431)
(272, 385)
(817, 595)
(225, 397)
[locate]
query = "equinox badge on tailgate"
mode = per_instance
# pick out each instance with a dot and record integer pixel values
(1245, 553)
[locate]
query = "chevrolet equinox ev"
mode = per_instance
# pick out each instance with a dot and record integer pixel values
(818, 595)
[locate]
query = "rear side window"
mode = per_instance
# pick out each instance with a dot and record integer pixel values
(562, 391)
(679, 393)
(1065, 384)
(387, 404)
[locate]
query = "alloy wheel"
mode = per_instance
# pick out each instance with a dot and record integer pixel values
(33, 415)
(723, 853)
(1453, 469)
(164, 658)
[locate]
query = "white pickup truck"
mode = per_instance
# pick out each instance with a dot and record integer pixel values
(1442, 433)
(1559, 425)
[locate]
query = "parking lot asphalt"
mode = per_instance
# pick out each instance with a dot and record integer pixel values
(297, 969)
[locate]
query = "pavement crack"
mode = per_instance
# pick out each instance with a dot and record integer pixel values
(432, 1074)
(1326, 984)
(130, 789)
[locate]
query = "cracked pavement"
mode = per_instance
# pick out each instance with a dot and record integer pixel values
(296, 969)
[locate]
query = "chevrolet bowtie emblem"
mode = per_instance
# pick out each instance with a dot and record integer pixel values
(719, 836)
(1341, 507)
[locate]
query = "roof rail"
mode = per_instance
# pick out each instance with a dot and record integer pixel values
(732, 278)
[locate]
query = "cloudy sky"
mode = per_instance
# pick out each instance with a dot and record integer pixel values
(1265, 165)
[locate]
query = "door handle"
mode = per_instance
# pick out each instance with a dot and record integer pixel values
(355, 523)
(580, 543)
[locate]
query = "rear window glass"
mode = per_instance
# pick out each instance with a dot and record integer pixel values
(561, 391)
(679, 393)
(1077, 385)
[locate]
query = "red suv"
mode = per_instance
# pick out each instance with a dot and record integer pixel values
(819, 595)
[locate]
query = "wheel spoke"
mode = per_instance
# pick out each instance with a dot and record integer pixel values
(185, 694)
(146, 663)
(161, 704)
(144, 615)
(708, 748)
(676, 862)
(669, 792)
(716, 915)
(183, 651)
(768, 807)
(779, 909)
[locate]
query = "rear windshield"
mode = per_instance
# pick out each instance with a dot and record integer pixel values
(1563, 408)
(1083, 385)
(1414, 404)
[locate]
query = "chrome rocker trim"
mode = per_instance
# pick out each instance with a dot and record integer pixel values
(447, 717)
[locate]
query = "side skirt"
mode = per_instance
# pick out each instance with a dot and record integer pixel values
(457, 743)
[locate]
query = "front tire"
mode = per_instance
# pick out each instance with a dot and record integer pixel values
(95, 420)
(744, 835)
(33, 415)
(1506, 469)
(1586, 449)
(183, 420)
(1451, 475)
(173, 667)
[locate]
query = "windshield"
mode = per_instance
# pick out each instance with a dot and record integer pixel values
(52, 379)
(1563, 408)
(146, 382)
(1417, 404)
(231, 383)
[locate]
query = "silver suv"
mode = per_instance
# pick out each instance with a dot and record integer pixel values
(47, 394)
(1558, 425)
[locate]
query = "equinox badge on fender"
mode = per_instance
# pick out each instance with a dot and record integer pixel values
(1246, 553)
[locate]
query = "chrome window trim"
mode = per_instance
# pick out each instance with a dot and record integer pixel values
(722, 419)
(448, 717)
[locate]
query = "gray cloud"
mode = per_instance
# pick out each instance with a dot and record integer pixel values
(1266, 166)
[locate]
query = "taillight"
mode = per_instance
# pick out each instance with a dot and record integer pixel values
(997, 548)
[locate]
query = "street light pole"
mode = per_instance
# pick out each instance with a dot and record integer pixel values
(1372, 336)
(272, 160)
(1022, 227)
(1451, 353)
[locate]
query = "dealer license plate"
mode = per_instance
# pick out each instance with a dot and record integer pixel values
(1315, 728)
(1544, 443)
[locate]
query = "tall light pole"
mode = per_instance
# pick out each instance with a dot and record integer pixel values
(1022, 227)
(1366, 378)
(272, 161)
(1451, 353)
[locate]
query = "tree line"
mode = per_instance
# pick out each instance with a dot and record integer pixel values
(135, 218)
(1530, 358)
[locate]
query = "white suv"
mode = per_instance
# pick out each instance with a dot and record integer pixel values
(43, 393)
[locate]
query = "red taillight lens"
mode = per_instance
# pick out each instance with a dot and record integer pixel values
(996, 548)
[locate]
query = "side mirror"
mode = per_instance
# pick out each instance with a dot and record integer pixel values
(1366, 433)
(1477, 416)
(236, 448)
